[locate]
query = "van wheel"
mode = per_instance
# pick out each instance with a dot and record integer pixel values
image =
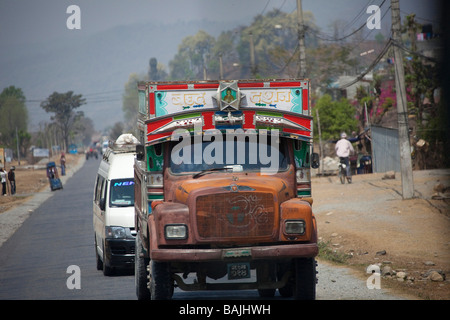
(107, 270)
(161, 283)
(97, 257)
(140, 272)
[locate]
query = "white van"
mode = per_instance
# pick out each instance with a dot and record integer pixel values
(113, 206)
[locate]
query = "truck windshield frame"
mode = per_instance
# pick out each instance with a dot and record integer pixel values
(247, 160)
(121, 193)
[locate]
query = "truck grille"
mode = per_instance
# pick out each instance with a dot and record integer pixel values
(235, 215)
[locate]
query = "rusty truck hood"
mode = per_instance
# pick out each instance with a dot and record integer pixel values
(235, 183)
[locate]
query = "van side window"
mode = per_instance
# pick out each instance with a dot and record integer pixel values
(98, 188)
(103, 191)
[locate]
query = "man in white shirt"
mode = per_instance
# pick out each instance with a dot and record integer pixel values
(343, 149)
(3, 176)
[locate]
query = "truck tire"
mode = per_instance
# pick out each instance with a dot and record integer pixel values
(305, 279)
(266, 293)
(288, 290)
(140, 272)
(161, 283)
(266, 273)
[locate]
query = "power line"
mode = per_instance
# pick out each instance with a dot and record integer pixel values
(401, 46)
(268, 1)
(416, 17)
(87, 96)
(370, 68)
(361, 12)
(354, 46)
(289, 60)
(323, 36)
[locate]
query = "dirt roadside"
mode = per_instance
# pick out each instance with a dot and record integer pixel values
(368, 223)
(32, 178)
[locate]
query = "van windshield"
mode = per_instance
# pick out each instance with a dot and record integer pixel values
(122, 193)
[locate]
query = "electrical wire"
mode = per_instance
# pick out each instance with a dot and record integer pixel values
(325, 37)
(268, 1)
(289, 60)
(419, 18)
(94, 97)
(356, 45)
(401, 46)
(370, 68)
(357, 17)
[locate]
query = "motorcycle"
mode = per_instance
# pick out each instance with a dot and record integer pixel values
(343, 171)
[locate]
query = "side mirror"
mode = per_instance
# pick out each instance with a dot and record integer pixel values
(315, 161)
(140, 152)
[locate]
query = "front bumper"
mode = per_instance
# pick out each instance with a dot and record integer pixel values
(120, 252)
(269, 252)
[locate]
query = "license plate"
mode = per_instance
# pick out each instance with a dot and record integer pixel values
(238, 271)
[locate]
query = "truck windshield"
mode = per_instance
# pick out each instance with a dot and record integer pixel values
(249, 154)
(122, 193)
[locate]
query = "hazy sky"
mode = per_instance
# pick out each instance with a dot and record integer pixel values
(28, 28)
(24, 21)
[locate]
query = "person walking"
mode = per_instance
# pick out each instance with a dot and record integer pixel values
(343, 149)
(63, 164)
(3, 176)
(12, 179)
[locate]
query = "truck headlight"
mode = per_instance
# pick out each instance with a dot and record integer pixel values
(115, 232)
(175, 231)
(294, 227)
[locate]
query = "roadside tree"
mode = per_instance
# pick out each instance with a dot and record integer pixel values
(63, 106)
(13, 119)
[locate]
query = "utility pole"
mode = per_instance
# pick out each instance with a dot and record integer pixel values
(301, 40)
(220, 67)
(18, 149)
(320, 141)
(252, 57)
(402, 114)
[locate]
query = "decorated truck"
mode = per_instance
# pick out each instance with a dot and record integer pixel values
(223, 188)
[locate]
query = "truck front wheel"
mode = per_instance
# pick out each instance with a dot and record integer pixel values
(161, 283)
(305, 278)
(140, 271)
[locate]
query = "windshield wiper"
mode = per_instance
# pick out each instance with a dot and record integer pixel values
(206, 171)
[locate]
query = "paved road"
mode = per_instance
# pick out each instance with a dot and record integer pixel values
(34, 261)
(59, 234)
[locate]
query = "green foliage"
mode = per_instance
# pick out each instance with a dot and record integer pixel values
(327, 62)
(335, 117)
(63, 106)
(130, 102)
(116, 130)
(192, 57)
(13, 115)
(327, 253)
(274, 37)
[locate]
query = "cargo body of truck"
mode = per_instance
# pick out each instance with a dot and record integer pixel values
(223, 188)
